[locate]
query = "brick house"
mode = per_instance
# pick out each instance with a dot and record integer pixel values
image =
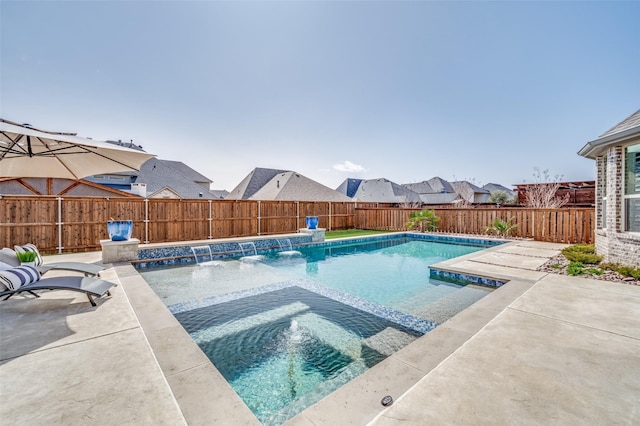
(617, 155)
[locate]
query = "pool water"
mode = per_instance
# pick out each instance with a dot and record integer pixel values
(285, 330)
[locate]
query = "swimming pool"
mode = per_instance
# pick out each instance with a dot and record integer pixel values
(286, 331)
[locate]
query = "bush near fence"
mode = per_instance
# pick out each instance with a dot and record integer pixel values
(76, 224)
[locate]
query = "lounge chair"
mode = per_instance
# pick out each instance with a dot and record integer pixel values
(10, 258)
(92, 287)
(88, 269)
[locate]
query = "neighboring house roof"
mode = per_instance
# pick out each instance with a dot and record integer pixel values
(349, 187)
(292, 186)
(440, 185)
(625, 131)
(420, 187)
(162, 174)
(469, 191)
(188, 172)
(384, 191)
(219, 193)
(440, 198)
(494, 187)
(252, 183)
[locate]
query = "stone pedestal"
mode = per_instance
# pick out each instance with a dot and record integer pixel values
(119, 251)
(317, 235)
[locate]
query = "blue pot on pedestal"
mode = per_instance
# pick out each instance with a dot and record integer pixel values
(312, 222)
(120, 230)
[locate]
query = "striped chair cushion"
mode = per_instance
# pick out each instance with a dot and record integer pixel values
(9, 257)
(19, 276)
(33, 248)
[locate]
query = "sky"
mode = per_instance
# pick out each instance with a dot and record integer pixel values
(487, 92)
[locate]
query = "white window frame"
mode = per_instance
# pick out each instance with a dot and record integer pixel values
(626, 196)
(603, 199)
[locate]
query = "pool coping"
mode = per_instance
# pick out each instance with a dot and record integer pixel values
(204, 396)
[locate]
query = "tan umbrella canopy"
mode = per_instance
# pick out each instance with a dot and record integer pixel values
(27, 152)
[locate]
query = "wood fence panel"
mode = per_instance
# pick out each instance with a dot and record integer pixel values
(278, 217)
(314, 208)
(342, 215)
(28, 220)
(554, 225)
(36, 219)
(84, 223)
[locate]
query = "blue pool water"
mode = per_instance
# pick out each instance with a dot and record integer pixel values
(285, 330)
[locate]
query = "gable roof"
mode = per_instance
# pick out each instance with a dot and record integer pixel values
(466, 185)
(625, 131)
(440, 185)
(384, 191)
(160, 174)
(292, 186)
(420, 187)
(493, 187)
(628, 123)
(187, 171)
(252, 183)
(349, 187)
(440, 198)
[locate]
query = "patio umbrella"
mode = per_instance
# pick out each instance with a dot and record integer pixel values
(27, 152)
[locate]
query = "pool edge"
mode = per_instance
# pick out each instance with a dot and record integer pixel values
(204, 396)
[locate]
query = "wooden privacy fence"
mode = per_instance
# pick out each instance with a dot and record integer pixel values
(73, 224)
(566, 225)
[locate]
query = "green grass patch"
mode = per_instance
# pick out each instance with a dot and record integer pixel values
(583, 253)
(351, 233)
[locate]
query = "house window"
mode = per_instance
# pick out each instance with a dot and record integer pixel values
(604, 189)
(632, 188)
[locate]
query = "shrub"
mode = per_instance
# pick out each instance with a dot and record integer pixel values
(502, 228)
(424, 220)
(584, 253)
(575, 268)
(595, 271)
(624, 270)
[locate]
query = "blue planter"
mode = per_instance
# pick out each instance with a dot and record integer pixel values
(312, 222)
(120, 230)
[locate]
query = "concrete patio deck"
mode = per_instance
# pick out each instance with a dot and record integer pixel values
(542, 349)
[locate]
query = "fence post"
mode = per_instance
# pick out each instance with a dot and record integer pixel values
(210, 219)
(146, 220)
(60, 225)
(258, 217)
(330, 219)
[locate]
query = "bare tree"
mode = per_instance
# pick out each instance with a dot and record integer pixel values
(542, 194)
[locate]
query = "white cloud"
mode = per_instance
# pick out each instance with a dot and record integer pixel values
(348, 166)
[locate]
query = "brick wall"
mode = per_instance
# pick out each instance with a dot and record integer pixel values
(613, 243)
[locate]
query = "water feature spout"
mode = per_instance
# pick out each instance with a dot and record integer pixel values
(248, 249)
(203, 250)
(286, 248)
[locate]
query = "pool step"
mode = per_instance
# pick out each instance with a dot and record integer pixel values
(448, 306)
(331, 334)
(389, 341)
(425, 298)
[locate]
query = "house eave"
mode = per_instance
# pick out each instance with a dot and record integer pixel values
(596, 147)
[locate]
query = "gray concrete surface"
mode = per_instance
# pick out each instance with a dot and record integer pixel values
(543, 349)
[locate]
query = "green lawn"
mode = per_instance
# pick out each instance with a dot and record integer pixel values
(351, 233)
